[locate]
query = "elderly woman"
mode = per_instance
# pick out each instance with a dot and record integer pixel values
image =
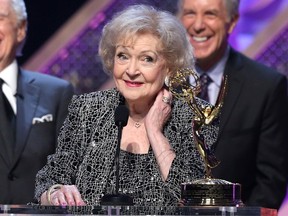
(140, 46)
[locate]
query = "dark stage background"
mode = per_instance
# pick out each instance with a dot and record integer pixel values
(45, 17)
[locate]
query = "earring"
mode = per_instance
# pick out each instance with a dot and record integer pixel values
(166, 81)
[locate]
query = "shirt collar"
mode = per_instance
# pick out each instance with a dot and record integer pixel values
(216, 71)
(9, 75)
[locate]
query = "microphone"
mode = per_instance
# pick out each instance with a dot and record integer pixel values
(121, 116)
(121, 119)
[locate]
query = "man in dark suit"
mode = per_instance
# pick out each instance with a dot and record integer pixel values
(252, 144)
(37, 104)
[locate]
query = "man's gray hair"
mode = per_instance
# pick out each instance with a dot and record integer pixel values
(18, 6)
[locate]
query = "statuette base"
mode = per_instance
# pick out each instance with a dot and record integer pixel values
(211, 192)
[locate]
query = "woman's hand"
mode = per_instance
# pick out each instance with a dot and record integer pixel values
(66, 195)
(160, 112)
(155, 120)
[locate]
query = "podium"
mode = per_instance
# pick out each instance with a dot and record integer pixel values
(132, 210)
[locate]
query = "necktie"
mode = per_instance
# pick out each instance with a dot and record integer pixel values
(205, 80)
(7, 116)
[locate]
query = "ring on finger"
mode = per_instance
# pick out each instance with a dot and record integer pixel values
(166, 100)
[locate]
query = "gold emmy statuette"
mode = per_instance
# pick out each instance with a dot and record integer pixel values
(207, 191)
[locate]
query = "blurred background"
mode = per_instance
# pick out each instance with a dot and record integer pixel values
(63, 38)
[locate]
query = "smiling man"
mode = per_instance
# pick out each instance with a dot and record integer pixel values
(252, 143)
(33, 107)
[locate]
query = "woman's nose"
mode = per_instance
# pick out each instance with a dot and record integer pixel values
(132, 67)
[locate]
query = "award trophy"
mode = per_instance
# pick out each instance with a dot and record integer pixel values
(208, 191)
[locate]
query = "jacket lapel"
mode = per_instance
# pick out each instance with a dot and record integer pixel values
(27, 102)
(234, 87)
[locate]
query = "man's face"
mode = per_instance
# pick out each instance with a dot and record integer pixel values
(12, 33)
(208, 26)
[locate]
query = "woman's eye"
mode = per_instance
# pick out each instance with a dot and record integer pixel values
(148, 59)
(122, 56)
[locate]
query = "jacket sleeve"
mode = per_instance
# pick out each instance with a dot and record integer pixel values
(272, 160)
(63, 164)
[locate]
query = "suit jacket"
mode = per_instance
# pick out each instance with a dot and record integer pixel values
(252, 143)
(38, 95)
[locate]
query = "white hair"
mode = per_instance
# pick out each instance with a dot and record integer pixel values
(18, 6)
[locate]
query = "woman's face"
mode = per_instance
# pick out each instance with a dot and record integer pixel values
(139, 69)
